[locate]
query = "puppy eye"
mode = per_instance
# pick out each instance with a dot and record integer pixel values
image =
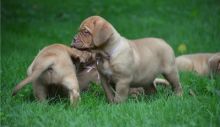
(86, 31)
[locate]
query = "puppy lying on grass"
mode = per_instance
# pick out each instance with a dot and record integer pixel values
(53, 66)
(202, 63)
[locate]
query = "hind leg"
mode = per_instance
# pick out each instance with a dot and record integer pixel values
(71, 84)
(40, 91)
(172, 77)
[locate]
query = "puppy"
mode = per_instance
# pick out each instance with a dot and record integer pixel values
(129, 63)
(53, 66)
(201, 63)
(86, 75)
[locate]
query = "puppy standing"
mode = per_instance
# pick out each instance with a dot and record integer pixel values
(201, 63)
(132, 63)
(53, 66)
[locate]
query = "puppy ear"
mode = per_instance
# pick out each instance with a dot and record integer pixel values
(102, 32)
(214, 64)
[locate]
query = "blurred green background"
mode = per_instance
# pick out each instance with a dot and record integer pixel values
(189, 26)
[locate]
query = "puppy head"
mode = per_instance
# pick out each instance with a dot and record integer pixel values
(87, 57)
(93, 32)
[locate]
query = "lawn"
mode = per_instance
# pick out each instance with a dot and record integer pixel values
(189, 26)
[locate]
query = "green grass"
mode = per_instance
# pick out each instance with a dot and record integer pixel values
(29, 25)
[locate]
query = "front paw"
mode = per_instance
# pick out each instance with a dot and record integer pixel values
(118, 99)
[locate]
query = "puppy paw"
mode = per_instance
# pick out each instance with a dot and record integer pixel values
(179, 93)
(74, 98)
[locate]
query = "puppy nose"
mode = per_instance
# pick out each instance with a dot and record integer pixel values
(72, 44)
(74, 39)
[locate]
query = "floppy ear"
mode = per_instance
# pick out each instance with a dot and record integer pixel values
(214, 64)
(102, 32)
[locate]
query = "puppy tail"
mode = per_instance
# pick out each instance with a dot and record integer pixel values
(161, 81)
(21, 84)
(33, 76)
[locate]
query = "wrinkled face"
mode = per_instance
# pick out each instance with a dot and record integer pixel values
(93, 32)
(83, 39)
